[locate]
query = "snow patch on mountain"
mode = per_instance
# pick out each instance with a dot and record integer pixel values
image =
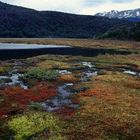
(121, 14)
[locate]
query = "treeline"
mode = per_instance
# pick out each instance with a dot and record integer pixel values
(123, 33)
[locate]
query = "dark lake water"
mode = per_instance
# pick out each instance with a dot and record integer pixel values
(17, 51)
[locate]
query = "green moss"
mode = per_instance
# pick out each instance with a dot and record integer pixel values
(41, 74)
(30, 124)
(4, 69)
(35, 106)
(1, 99)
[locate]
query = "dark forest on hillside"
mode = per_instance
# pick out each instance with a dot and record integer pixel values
(23, 22)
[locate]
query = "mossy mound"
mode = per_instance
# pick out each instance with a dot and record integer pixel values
(30, 125)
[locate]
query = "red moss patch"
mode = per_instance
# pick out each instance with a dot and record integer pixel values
(102, 91)
(65, 112)
(17, 98)
(75, 99)
(89, 93)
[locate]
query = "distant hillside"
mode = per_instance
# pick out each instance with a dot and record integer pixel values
(23, 22)
(121, 14)
(123, 33)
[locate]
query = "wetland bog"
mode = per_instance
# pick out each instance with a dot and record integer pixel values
(71, 97)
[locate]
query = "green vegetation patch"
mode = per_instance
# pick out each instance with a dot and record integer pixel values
(1, 99)
(35, 106)
(41, 74)
(33, 123)
(4, 69)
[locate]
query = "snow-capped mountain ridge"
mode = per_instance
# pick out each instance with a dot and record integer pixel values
(121, 14)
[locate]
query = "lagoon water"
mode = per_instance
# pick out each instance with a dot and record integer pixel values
(14, 46)
(17, 51)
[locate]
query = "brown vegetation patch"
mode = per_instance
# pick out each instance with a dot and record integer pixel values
(68, 78)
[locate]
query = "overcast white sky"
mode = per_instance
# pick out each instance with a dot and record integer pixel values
(77, 6)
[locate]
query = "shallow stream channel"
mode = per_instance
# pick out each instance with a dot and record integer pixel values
(64, 92)
(12, 78)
